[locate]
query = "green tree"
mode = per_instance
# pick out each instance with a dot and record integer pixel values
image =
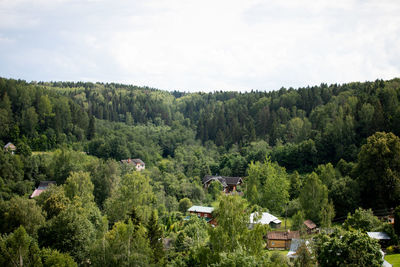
(363, 220)
(273, 183)
(155, 236)
(349, 249)
(123, 245)
(70, 232)
(184, 204)
(79, 184)
(20, 211)
(304, 257)
(378, 170)
(232, 216)
(134, 190)
(51, 258)
(19, 249)
(313, 198)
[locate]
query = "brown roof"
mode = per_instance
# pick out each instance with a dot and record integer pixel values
(277, 235)
(133, 161)
(310, 224)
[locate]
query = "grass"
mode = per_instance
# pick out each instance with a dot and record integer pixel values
(393, 259)
(283, 252)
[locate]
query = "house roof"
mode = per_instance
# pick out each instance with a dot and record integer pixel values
(310, 224)
(224, 180)
(266, 218)
(42, 187)
(10, 146)
(379, 235)
(278, 235)
(133, 161)
(201, 209)
(294, 246)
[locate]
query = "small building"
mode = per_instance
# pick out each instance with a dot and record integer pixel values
(264, 218)
(310, 226)
(229, 184)
(382, 237)
(203, 212)
(294, 247)
(10, 147)
(281, 240)
(137, 163)
(42, 187)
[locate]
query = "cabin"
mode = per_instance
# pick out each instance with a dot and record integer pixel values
(10, 148)
(229, 184)
(281, 240)
(137, 163)
(203, 212)
(382, 237)
(44, 185)
(264, 218)
(311, 227)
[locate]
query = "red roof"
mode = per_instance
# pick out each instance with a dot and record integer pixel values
(310, 224)
(277, 235)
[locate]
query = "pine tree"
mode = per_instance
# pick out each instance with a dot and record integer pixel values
(154, 234)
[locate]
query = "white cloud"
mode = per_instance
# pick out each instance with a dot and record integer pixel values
(201, 45)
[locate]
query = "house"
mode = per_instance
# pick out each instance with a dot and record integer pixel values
(281, 240)
(264, 218)
(382, 237)
(42, 187)
(310, 226)
(203, 212)
(228, 183)
(10, 147)
(137, 163)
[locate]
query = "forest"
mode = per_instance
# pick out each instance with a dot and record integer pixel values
(327, 153)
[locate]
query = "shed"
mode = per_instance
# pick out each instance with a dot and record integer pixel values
(264, 218)
(310, 226)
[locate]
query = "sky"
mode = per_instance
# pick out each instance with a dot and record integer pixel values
(201, 45)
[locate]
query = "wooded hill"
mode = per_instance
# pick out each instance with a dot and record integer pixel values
(320, 152)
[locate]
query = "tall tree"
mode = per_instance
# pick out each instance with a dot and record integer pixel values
(378, 171)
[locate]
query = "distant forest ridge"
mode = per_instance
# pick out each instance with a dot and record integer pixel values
(304, 127)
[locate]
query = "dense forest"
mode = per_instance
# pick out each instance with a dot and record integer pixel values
(329, 153)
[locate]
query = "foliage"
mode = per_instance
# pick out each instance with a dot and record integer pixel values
(155, 237)
(18, 249)
(363, 220)
(378, 170)
(133, 191)
(314, 200)
(267, 185)
(349, 249)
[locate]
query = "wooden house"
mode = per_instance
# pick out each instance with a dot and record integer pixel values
(281, 240)
(229, 184)
(42, 187)
(203, 212)
(138, 164)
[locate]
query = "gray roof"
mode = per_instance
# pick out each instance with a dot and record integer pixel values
(379, 235)
(224, 180)
(201, 209)
(266, 218)
(294, 246)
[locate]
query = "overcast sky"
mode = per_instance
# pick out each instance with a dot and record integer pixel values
(200, 45)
